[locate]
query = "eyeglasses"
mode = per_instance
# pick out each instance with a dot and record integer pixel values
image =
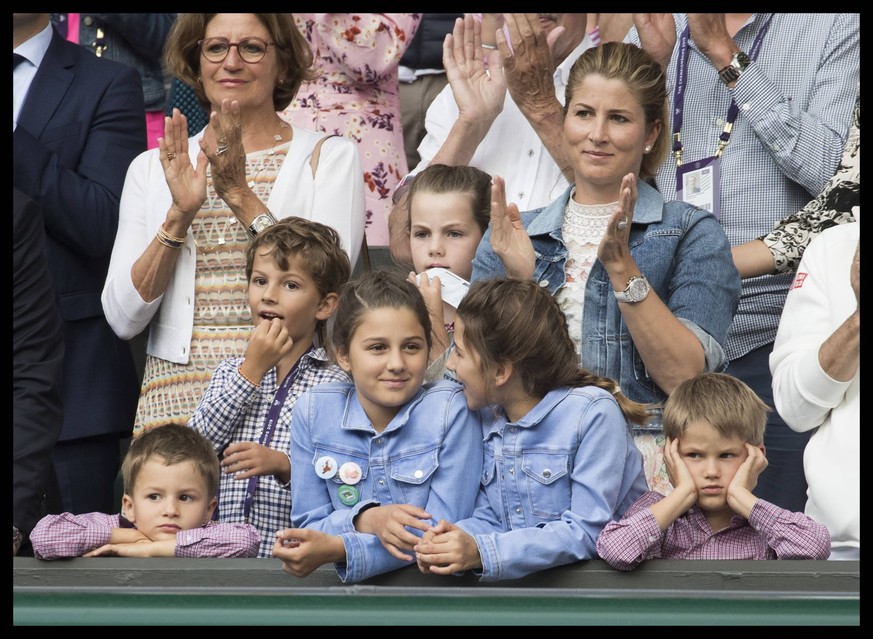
(251, 50)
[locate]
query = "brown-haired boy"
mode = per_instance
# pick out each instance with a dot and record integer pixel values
(714, 425)
(295, 269)
(170, 478)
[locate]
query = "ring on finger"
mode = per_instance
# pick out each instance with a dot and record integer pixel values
(171, 155)
(622, 224)
(220, 149)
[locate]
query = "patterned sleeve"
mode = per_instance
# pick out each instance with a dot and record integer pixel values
(791, 535)
(839, 202)
(68, 535)
(219, 541)
(626, 543)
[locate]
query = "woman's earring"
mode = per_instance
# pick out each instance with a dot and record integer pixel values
(648, 148)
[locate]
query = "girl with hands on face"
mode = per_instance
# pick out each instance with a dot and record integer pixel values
(715, 453)
(449, 210)
(648, 286)
(295, 270)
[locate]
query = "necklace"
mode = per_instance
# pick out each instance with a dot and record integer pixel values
(215, 203)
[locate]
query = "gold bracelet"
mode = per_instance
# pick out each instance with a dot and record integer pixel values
(168, 240)
(168, 243)
(243, 375)
(172, 238)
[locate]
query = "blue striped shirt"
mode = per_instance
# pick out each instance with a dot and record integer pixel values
(795, 105)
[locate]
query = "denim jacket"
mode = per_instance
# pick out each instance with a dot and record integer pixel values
(429, 455)
(683, 252)
(552, 481)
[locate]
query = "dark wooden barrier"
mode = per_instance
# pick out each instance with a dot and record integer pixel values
(177, 592)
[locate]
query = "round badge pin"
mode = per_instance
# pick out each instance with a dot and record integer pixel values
(350, 473)
(325, 467)
(348, 495)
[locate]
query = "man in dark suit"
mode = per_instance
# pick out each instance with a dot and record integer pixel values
(37, 364)
(78, 122)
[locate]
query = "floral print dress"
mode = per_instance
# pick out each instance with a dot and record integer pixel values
(357, 97)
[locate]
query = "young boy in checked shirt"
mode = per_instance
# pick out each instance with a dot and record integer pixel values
(714, 425)
(170, 478)
(295, 269)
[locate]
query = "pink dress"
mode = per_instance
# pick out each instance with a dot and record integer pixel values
(357, 97)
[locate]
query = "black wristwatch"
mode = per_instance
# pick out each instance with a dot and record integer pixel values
(738, 64)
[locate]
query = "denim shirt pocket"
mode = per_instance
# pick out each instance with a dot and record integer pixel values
(412, 474)
(546, 477)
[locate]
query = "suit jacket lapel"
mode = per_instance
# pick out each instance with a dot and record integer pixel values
(49, 86)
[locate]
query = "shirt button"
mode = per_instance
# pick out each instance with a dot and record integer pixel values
(719, 121)
(380, 441)
(530, 153)
(544, 283)
(513, 429)
(88, 20)
(521, 195)
(651, 538)
(418, 474)
(512, 470)
(547, 473)
(518, 509)
(746, 106)
(381, 482)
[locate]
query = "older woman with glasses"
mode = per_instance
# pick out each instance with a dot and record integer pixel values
(190, 207)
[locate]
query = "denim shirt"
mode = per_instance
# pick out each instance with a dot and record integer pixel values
(683, 252)
(429, 455)
(552, 481)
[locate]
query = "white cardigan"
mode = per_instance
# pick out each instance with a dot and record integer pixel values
(335, 197)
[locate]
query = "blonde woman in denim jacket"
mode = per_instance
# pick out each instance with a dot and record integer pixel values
(591, 245)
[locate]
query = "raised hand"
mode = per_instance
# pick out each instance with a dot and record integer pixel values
(222, 145)
(509, 239)
(479, 91)
(613, 251)
(186, 182)
(528, 64)
(657, 33)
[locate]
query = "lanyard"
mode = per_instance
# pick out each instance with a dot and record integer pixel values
(270, 428)
(679, 93)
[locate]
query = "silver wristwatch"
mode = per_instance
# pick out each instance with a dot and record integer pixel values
(636, 290)
(260, 224)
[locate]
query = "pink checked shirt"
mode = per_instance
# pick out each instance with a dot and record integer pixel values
(769, 533)
(68, 535)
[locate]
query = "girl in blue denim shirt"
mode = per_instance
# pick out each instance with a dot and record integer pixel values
(376, 462)
(559, 460)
